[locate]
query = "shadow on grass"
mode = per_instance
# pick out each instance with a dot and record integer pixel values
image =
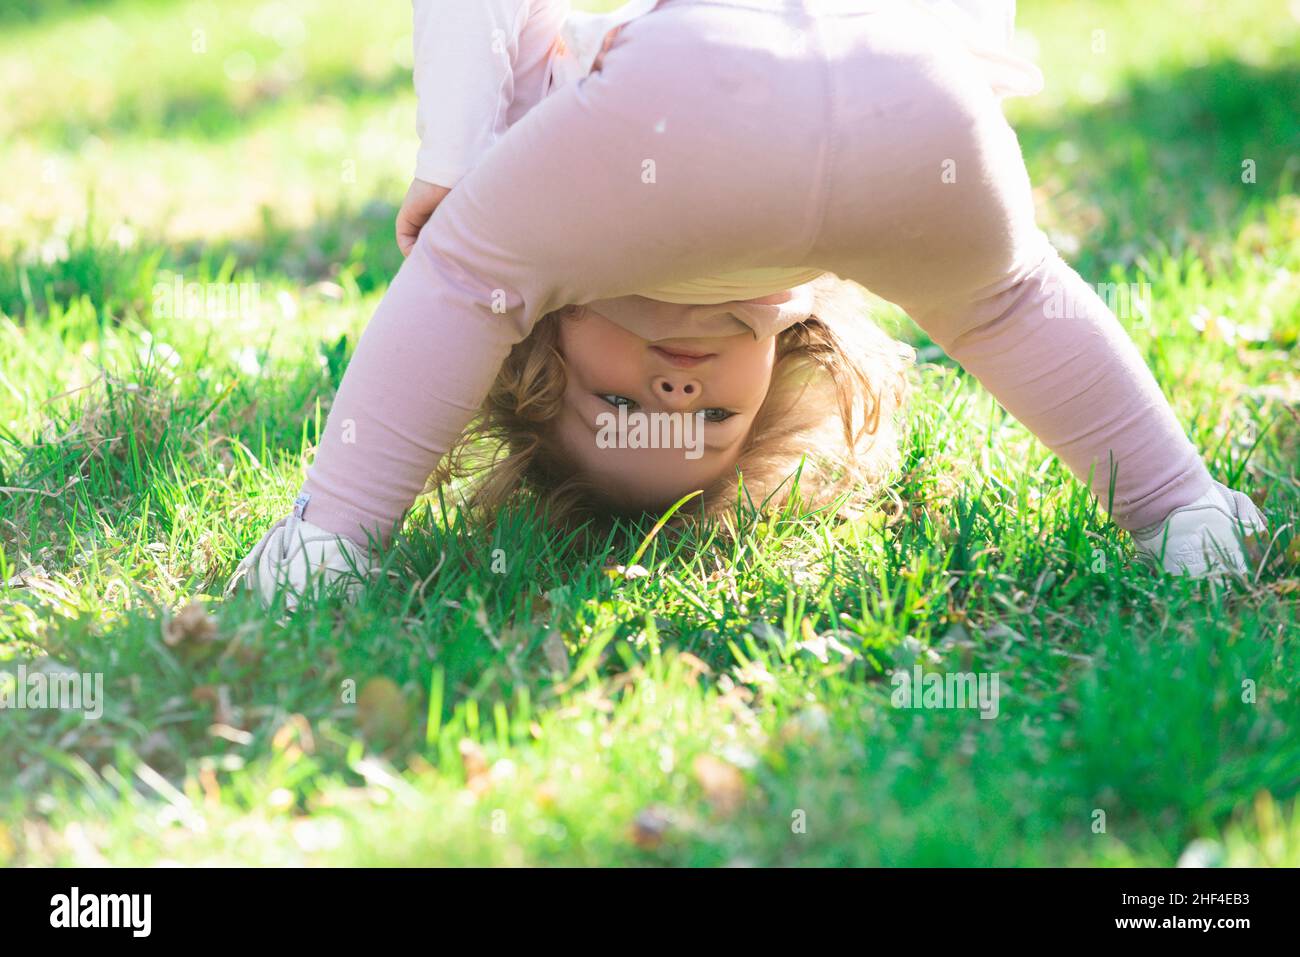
(1162, 165)
(357, 241)
(135, 442)
(206, 111)
(212, 115)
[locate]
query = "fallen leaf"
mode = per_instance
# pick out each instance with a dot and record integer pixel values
(650, 827)
(722, 783)
(192, 626)
(383, 711)
(28, 575)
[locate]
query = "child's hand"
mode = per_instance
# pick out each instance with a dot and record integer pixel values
(1203, 539)
(296, 557)
(420, 202)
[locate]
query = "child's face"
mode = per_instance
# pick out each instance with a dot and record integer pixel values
(725, 378)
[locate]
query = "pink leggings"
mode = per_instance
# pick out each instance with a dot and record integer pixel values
(723, 135)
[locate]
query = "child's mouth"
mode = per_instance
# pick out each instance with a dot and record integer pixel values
(681, 358)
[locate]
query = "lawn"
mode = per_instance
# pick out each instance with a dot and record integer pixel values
(499, 698)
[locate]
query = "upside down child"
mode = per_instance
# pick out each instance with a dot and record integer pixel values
(656, 211)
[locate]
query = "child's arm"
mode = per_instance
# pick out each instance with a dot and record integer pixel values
(464, 81)
(479, 66)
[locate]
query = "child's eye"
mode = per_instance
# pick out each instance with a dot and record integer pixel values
(616, 400)
(717, 415)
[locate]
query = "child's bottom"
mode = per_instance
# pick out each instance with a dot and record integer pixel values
(717, 137)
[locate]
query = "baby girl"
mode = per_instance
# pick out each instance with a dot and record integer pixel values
(646, 213)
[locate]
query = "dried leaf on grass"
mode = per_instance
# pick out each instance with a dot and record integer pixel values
(650, 827)
(722, 783)
(192, 627)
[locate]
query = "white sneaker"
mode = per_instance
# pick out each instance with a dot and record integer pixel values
(1203, 539)
(299, 558)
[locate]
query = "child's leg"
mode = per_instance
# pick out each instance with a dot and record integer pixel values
(946, 229)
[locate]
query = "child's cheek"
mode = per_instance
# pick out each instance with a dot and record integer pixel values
(593, 341)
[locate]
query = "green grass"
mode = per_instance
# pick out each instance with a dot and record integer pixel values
(733, 707)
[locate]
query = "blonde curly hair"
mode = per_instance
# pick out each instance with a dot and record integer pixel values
(830, 415)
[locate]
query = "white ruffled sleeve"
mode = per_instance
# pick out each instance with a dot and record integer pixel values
(988, 28)
(464, 81)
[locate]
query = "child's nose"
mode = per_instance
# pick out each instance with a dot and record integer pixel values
(677, 393)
